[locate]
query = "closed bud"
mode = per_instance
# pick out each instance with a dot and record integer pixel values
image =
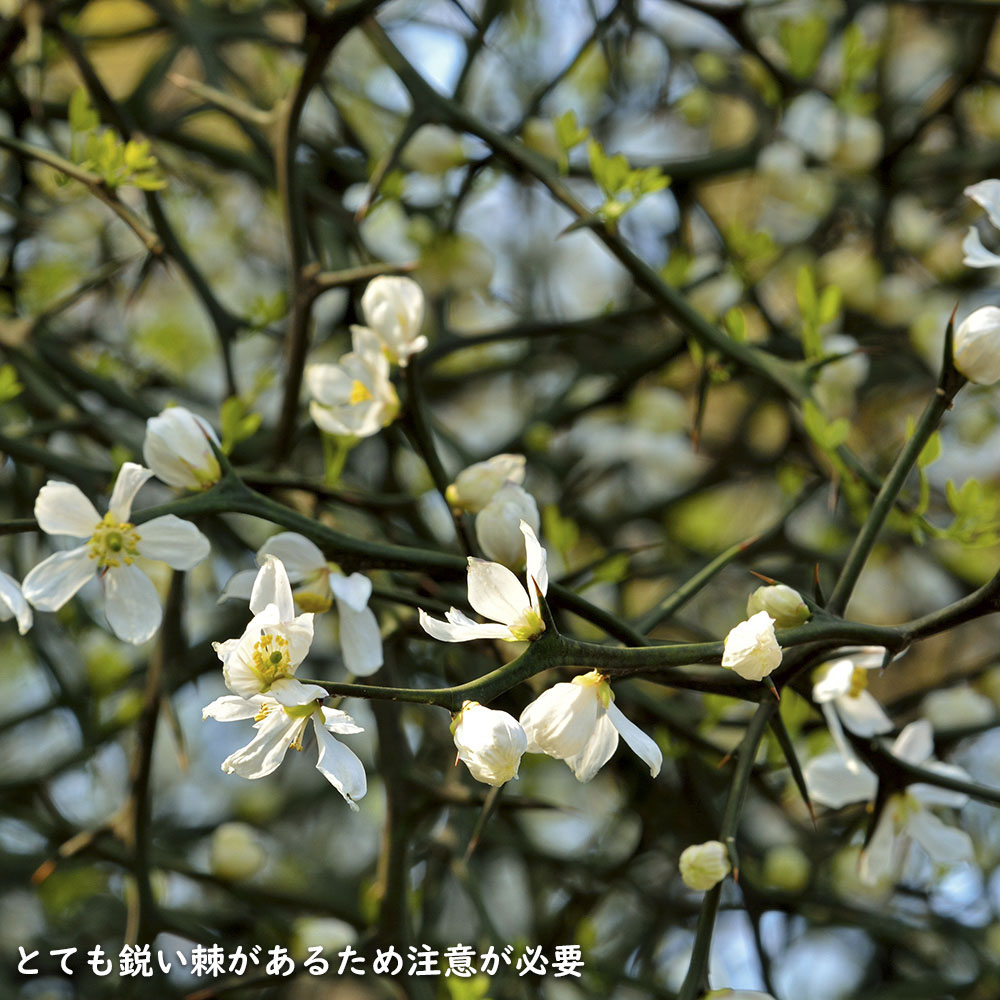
(704, 866)
(498, 528)
(476, 486)
(178, 451)
(236, 852)
(782, 603)
(977, 346)
(751, 648)
(489, 743)
(394, 311)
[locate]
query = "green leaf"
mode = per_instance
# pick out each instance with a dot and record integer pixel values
(10, 387)
(82, 117)
(736, 324)
(236, 422)
(561, 532)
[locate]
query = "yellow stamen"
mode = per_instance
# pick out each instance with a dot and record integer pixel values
(530, 626)
(859, 682)
(114, 542)
(359, 393)
(271, 659)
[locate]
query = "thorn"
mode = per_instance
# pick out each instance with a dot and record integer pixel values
(774, 690)
(725, 760)
(954, 312)
(736, 875)
(43, 871)
(760, 576)
(752, 540)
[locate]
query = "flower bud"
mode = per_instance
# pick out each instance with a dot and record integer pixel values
(434, 149)
(498, 525)
(977, 346)
(476, 486)
(782, 603)
(236, 852)
(177, 449)
(704, 866)
(787, 868)
(394, 310)
(751, 648)
(490, 743)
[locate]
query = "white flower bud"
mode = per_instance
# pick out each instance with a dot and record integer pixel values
(236, 852)
(177, 449)
(476, 486)
(498, 525)
(782, 603)
(329, 933)
(704, 866)
(977, 346)
(751, 648)
(490, 743)
(394, 309)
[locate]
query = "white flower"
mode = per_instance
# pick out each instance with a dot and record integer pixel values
(111, 547)
(236, 852)
(703, 866)
(954, 708)
(841, 691)
(578, 722)
(498, 525)
(977, 345)
(782, 603)
(490, 743)
(906, 816)
(13, 604)
(264, 659)
(318, 585)
(177, 449)
(496, 594)
(280, 727)
(476, 486)
(394, 310)
(751, 648)
(353, 398)
(987, 195)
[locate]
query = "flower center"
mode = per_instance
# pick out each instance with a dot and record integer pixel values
(270, 658)
(859, 682)
(114, 542)
(360, 393)
(528, 626)
(596, 679)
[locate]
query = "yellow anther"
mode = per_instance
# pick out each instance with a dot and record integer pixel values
(359, 393)
(859, 682)
(308, 601)
(270, 658)
(114, 542)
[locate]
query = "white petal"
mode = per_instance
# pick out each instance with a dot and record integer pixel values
(300, 557)
(451, 632)
(561, 721)
(340, 766)
(915, 743)
(643, 746)
(132, 605)
(12, 603)
(230, 708)
(275, 734)
(536, 562)
(240, 585)
(880, 858)
(56, 579)
(832, 783)
(174, 541)
(863, 715)
(360, 640)
(602, 744)
(339, 722)
(976, 255)
(495, 592)
(839, 739)
(934, 795)
(946, 844)
(835, 682)
(288, 691)
(62, 509)
(129, 482)
(353, 590)
(272, 587)
(986, 194)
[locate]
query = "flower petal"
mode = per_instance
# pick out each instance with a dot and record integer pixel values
(340, 766)
(272, 587)
(915, 743)
(174, 541)
(275, 734)
(602, 744)
(353, 590)
(986, 194)
(300, 557)
(360, 640)
(339, 722)
(230, 708)
(132, 605)
(461, 631)
(495, 592)
(240, 585)
(561, 721)
(934, 795)
(863, 715)
(62, 509)
(56, 579)
(13, 604)
(536, 562)
(976, 255)
(832, 783)
(288, 691)
(880, 858)
(130, 479)
(643, 746)
(835, 682)
(945, 844)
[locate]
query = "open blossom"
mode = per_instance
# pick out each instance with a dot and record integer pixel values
(475, 486)
(782, 603)
(394, 310)
(578, 722)
(498, 525)
(264, 659)
(13, 604)
(841, 691)
(353, 398)
(177, 449)
(751, 648)
(907, 816)
(282, 727)
(976, 348)
(986, 194)
(703, 866)
(495, 593)
(112, 545)
(490, 743)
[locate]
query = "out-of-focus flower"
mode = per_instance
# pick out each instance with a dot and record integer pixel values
(786, 867)
(264, 659)
(578, 722)
(112, 545)
(236, 851)
(476, 486)
(906, 815)
(977, 345)
(956, 707)
(782, 603)
(489, 743)
(495, 593)
(13, 604)
(751, 648)
(704, 866)
(434, 149)
(282, 727)
(498, 525)
(841, 691)
(355, 397)
(177, 449)
(986, 194)
(394, 311)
